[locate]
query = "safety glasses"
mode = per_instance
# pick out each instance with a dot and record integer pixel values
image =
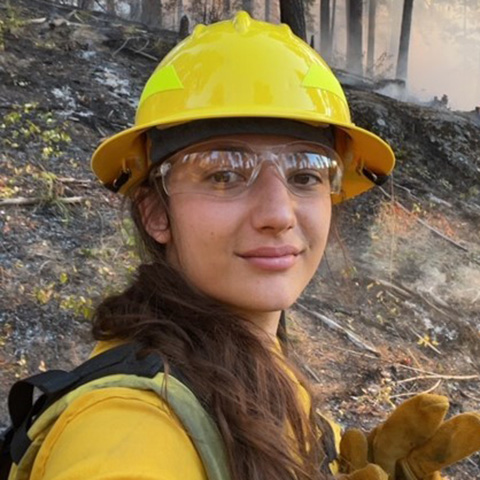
(228, 169)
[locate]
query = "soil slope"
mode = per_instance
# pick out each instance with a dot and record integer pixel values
(395, 307)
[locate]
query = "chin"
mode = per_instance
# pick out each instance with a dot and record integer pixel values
(259, 297)
(264, 305)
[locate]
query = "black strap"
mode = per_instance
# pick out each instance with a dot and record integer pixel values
(24, 409)
(20, 399)
(119, 182)
(376, 178)
(5, 458)
(171, 140)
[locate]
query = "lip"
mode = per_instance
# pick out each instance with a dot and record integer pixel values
(268, 252)
(272, 258)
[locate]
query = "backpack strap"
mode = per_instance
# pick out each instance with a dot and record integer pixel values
(118, 367)
(24, 408)
(56, 383)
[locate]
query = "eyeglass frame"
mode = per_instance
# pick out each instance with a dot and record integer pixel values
(336, 162)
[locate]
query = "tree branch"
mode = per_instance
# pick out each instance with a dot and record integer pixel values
(425, 224)
(355, 339)
(38, 200)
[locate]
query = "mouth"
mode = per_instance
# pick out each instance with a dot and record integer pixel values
(272, 258)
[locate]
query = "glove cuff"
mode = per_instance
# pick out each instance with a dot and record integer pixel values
(406, 470)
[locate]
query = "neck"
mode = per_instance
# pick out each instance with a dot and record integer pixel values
(267, 322)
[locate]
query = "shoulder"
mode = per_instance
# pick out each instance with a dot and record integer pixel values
(118, 433)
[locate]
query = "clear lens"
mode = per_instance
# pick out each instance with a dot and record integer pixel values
(307, 169)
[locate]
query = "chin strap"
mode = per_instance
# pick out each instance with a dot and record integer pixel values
(119, 182)
(375, 178)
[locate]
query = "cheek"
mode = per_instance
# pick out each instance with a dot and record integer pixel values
(200, 228)
(316, 220)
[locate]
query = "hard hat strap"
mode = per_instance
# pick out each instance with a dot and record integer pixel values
(376, 178)
(165, 143)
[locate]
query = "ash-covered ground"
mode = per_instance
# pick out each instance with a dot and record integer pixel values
(395, 307)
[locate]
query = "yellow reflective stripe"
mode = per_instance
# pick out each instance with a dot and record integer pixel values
(163, 79)
(319, 76)
(201, 428)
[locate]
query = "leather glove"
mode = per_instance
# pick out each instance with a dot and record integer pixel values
(414, 443)
(370, 472)
(355, 449)
(332, 433)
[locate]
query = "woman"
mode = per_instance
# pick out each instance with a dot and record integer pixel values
(242, 142)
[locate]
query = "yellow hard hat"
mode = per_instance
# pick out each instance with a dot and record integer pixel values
(243, 68)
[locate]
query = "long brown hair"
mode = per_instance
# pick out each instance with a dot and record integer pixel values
(246, 386)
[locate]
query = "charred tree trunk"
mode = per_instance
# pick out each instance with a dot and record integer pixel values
(247, 5)
(402, 63)
(268, 10)
(85, 4)
(152, 13)
(135, 10)
(184, 27)
(292, 12)
(179, 12)
(332, 26)
(372, 12)
(354, 36)
(226, 6)
(325, 32)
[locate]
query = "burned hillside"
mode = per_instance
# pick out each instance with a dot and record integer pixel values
(394, 309)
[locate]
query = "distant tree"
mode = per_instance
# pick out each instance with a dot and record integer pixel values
(268, 10)
(151, 13)
(325, 33)
(207, 11)
(247, 5)
(184, 27)
(354, 36)
(462, 14)
(402, 63)
(226, 8)
(372, 12)
(292, 12)
(135, 10)
(196, 12)
(333, 16)
(179, 11)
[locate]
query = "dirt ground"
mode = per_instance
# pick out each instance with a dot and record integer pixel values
(394, 309)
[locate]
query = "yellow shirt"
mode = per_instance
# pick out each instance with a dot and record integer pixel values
(119, 434)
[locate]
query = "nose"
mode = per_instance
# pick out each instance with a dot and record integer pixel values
(273, 207)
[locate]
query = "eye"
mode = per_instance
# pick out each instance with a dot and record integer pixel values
(306, 178)
(225, 178)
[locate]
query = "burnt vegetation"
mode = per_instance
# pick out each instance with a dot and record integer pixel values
(394, 309)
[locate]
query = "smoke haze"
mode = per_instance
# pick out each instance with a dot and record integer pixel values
(444, 47)
(445, 54)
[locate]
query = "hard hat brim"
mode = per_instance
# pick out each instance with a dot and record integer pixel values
(369, 151)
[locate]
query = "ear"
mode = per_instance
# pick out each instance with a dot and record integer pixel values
(155, 218)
